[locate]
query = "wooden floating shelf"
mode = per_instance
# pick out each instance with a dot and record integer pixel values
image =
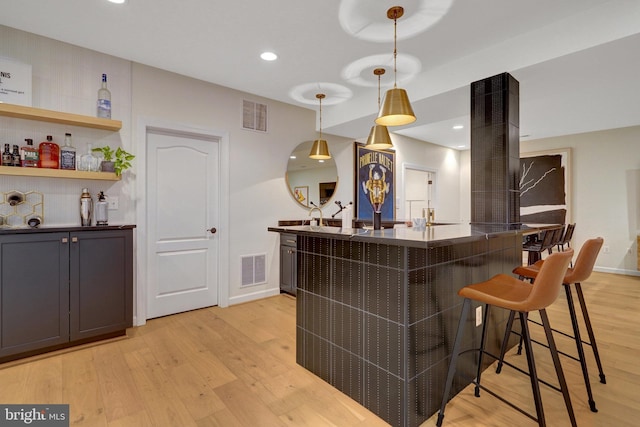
(57, 173)
(39, 114)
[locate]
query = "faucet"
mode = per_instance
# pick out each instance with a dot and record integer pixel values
(314, 208)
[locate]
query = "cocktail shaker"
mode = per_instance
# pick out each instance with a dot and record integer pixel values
(86, 208)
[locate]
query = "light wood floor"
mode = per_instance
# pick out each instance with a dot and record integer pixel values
(236, 367)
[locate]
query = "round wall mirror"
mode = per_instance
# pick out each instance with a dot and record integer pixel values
(311, 180)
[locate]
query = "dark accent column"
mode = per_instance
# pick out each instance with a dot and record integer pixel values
(495, 150)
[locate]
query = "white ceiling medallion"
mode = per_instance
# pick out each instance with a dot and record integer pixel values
(360, 71)
(334, 93)
(364, 22)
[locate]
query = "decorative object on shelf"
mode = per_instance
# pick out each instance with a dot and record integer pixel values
(396, 109)
(15, 82)
(320, 149)
(379, 138)
(120, 159)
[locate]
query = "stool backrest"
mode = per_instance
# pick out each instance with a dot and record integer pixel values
(585, 261)
(549, 280)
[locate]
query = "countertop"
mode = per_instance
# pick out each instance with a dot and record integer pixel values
(63, 228)
(412, 236)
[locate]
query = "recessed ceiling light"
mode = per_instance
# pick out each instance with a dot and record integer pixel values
(320, 161)
(292, 156)
(268, 56)
(118, 1)
(458, 127)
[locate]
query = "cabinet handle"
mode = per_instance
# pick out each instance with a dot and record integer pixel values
(74, 239)
(65, 240)
(291, 241)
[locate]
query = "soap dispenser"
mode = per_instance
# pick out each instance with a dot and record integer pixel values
(86, 208)
(101, 210)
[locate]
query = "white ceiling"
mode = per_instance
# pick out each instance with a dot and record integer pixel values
(577, 61)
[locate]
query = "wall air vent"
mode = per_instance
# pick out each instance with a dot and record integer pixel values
(254, 116)
(254, 269)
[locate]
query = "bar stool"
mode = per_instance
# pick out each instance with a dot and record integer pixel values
(566, 238)
(537, 247)
(519, 296)
(583, 268)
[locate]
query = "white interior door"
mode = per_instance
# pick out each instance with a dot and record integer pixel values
(419, 190)
(182, 214)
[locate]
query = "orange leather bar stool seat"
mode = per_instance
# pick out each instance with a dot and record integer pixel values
(580, 272)
(519, 296)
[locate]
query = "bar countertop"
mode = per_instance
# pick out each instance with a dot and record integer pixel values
(412, 236)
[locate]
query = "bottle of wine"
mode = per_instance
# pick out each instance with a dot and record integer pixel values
(67, 154)
(104, 100)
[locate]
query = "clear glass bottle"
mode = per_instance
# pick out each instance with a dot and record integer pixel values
(7, 158)
(49, 154)
(29, 154)
(88, 162)
(104, 100)
(67, 154)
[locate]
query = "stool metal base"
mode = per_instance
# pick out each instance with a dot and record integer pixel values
(535, 386)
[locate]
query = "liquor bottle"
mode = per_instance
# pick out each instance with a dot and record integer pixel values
(67, 154)
(49, 154)
(15, 156)
(7, 158)
(29, 154)
(104, 100)
(88, 162)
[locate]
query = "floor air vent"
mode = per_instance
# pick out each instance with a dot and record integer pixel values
(254, 269)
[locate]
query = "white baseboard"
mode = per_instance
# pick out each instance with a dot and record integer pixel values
(265, 293)
(617, 271)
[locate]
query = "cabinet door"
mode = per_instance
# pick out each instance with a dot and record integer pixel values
(101, 294)
(34, 297)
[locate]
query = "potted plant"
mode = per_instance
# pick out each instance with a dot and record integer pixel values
(114, 161)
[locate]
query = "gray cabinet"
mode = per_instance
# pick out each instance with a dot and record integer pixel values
(34, 297)
(288, 263)
(63, 288)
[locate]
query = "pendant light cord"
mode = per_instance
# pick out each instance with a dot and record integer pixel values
(320, 99)
(395, 51)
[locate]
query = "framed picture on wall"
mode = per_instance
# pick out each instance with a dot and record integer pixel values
(374, 183)
(545, 190)
(302, 195)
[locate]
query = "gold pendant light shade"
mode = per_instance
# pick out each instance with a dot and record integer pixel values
(320, 149)
(379, 138)
(396, 109)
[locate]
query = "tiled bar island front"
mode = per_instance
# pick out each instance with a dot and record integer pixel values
(377, 310)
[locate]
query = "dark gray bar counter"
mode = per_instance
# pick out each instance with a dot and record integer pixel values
(377, 309)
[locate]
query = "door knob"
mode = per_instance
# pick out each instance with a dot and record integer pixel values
(212, 230)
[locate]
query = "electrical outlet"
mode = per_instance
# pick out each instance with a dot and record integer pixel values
(112, 203)
(605, 250)
(479, 315)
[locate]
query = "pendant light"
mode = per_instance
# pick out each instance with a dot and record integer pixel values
(379, 138)
(320, 149)
(396, 109)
